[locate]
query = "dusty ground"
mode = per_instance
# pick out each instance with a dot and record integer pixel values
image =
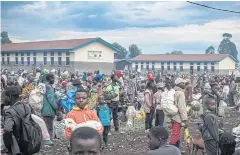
(135, 143)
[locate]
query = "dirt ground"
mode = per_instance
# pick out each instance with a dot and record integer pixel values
(135, 143)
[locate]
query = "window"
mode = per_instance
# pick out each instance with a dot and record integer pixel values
(153, 65)
(97, 55)
(16, 60)
(67, 58)
(198, 66)
(67, 61)
(22, 60)
(59, 54)
(22, 54)
(67, 54)
(175, 66)
(52, 53)
(136, 66)
(45, 54)
(181, 66)
(16, 54)
(2, 54)
(3, 62)
(34, 60)
(147, 66)
(28, 54)
(28, 61)
(168, 66)
(8, 60)
(212, 67)
(205, 66)
(52, 60)
(8, 54)
(34, 54)
(141, 65)
(59, 61)
(44, 60)
(162, 66)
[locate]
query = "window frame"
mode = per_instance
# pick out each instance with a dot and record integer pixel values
(68, 61)
(181, 66)
(60, 62)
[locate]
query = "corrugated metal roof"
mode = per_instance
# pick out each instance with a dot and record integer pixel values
(46, 45)
(181, 57)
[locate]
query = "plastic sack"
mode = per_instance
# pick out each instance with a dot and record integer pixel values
(195, 105)
(221, 107)
(170, 110)
(92, 124)
(42, 125)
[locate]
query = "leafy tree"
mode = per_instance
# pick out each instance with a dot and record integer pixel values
(122, 53)
(227, 47)
(134, 51)
(175, 52)
(168, 53)
(4, 38)
(210, 50)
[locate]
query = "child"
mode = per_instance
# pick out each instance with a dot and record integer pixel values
(85, 140)
(81, 113)
(104, 115)
(59, 127)
(210, 128)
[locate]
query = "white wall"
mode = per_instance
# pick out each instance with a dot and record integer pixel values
(227, 64)
(107, 53)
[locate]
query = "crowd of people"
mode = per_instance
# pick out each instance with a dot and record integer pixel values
(84, 109)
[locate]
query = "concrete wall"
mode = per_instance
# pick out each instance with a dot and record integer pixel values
(227, 64)
(107, 56)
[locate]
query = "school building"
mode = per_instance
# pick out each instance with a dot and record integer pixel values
(188, 63)
(87, 54)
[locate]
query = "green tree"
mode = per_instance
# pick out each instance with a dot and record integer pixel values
(134, 51)
(4, 38)
(228, 47)
(210, 50)
(175, 52)
(122, 53)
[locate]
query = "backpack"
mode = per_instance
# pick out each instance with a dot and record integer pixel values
(167, 102)
(31, 134)
(104, 115)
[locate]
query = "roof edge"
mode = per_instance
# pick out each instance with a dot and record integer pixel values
(42, 50)
(95, 40)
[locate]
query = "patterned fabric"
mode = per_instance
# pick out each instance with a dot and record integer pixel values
(59, 129)
(27, 90)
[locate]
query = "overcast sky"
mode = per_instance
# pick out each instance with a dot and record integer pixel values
(156, 27)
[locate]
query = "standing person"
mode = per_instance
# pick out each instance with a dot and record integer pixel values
(210, 128)
(50, 105)
(148, 106)
(104, 115)
(12, 120)
(131, 88)
(114, 88)
(232, 93)
(180, 120)
(188, 92)
(157, 103)
(157, 141)
(81, 113)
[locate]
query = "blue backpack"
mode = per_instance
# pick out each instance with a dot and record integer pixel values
(104, 115)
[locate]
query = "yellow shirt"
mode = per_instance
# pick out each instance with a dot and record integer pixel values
(116, 90)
